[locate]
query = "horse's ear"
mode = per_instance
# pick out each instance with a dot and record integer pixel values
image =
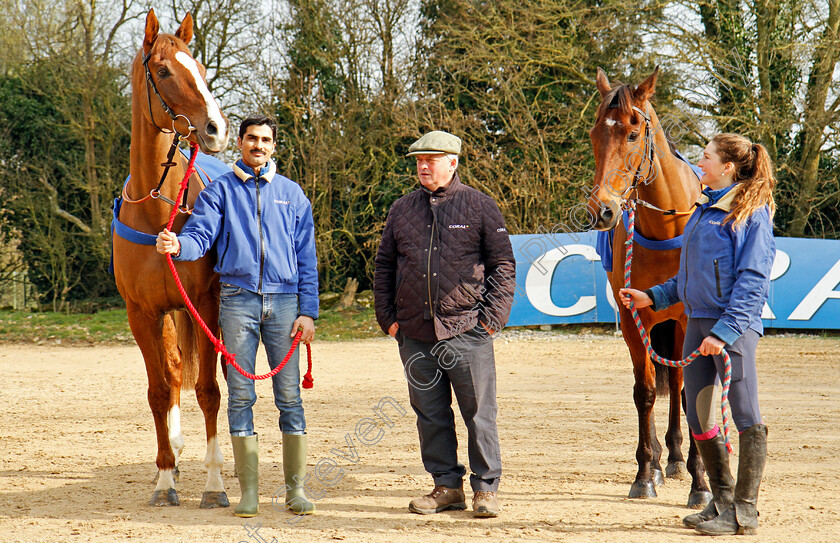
(185, 31)
(645, 90)
(602, 83)
(152, 31)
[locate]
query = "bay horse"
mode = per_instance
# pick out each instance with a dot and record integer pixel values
(175, 351)
(634, 161)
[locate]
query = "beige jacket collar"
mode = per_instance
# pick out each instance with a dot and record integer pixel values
(245, 175)
(725, 203)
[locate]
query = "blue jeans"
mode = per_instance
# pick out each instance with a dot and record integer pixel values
(245, 317)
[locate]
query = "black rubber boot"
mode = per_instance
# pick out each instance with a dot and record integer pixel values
(716, 460)
(742, 516)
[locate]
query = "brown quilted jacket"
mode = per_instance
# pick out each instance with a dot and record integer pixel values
(444, 264)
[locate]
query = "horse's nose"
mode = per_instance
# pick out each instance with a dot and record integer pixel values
(606, 214)
(212, 128)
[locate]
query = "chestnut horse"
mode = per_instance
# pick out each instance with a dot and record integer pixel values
(169, 96)
(634, 161)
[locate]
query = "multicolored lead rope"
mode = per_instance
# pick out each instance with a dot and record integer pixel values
(727, 363)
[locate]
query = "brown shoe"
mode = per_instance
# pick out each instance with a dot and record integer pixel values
(485, 504)
(440, 499)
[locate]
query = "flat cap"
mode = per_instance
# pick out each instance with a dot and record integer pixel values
(436, 142)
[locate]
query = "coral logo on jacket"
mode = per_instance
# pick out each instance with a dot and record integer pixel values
(284, 202)
(464, 226)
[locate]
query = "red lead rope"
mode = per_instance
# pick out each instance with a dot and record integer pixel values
(230, 358)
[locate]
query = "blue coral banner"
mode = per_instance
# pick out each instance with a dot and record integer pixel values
(559, 279)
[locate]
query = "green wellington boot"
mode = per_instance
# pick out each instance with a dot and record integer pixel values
(294, 470)
(246, 460)
(742, 516)
(716, 460)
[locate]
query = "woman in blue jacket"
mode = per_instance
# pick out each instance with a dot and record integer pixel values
(723, 282)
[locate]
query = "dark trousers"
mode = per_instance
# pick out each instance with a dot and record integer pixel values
(700, 376)
(466, 365)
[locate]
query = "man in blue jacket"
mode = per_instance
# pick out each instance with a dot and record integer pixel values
(261, 226)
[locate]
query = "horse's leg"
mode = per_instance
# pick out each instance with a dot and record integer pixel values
(673, 437)
(655, 450)
(173, 367)
(644, 396)
(147, 331)
(699, 495)
(209, 398)
(662, 337)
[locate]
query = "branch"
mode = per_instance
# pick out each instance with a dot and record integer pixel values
(53, 198)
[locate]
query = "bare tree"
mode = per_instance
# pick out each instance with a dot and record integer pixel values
(766, 70)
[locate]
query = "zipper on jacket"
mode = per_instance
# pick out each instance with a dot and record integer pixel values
(717, 279)
(262, 240)
(687, 241)
(227, 246)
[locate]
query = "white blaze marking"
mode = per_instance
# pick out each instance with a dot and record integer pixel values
(213, 461)
(213, 111)
(611, 122)
(176, 440)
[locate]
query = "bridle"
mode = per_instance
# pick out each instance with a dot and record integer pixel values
(177, 137)
(150, 82)
(647, 160)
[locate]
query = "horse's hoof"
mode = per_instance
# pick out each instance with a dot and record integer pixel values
(164, 498)
(676, 470)
(211, 500)
(656, 477)
(642, 490)
(699, 499)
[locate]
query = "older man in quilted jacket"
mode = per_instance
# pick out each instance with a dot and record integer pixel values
(443, 285)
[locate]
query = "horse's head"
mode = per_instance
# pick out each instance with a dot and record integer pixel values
(619, 142)
(174, 91)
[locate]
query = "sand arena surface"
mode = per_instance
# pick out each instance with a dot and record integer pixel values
(78, 449)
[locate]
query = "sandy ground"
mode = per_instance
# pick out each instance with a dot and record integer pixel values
(78, 450)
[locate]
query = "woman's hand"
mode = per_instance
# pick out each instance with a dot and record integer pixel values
(639, 298)
(711, 345)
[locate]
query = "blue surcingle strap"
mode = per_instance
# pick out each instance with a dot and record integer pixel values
(129, 234)
(653, 244)
(604, 244)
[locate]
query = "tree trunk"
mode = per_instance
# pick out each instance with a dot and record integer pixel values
(816, 119)
(348, 295)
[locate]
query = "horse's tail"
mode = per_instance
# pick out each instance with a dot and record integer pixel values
(663, 342)
(663, 376)
(188, 347)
